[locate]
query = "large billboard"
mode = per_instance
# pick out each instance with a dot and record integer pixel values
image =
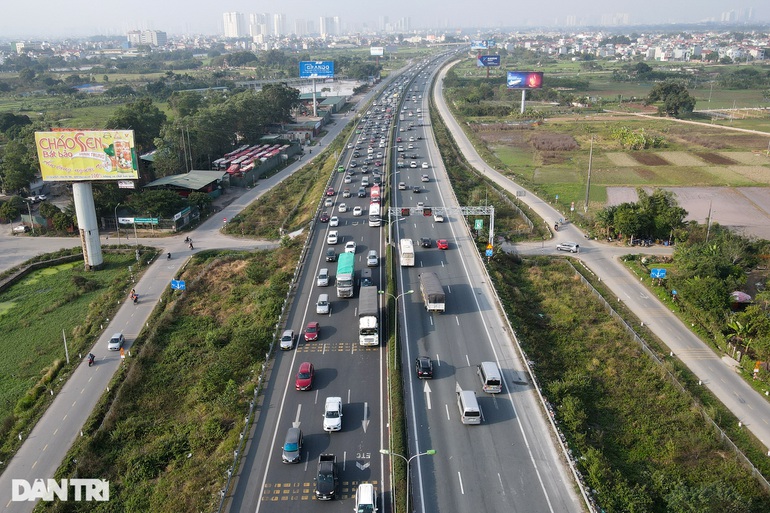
(379, 51)
(316, 69)
(487, 60)
(482, 44)
(525, 79)
(85, 155)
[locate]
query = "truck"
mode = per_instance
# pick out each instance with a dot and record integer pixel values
(368, 316)
(345, 270)
(326, 479)
(432, 292)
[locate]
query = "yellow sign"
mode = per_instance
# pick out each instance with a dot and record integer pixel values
(84, 155)
(489, 246)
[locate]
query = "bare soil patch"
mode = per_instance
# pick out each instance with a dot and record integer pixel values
(751, 158)
(620, 159)
(646, 174)
(716, 158)
(682, 158)
(514, 138)
(546, 141)
(650, 159)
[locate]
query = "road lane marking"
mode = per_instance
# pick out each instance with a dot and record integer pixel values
(500, 479)
(447, 412)
(457, 320)
(460, 479)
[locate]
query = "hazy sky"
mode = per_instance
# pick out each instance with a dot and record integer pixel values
(43, 19)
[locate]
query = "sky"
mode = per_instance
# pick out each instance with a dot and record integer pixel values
(49, 19)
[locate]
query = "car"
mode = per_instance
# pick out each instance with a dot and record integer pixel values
(324, 217)
(568, 246)
(334, 221)
(372, 260)
(332, 414)
(366, 499)
(378, 163)
(350, 145)
(342, 207)
(326, 480)
(305, 373)
(424, 165)
(22, 228)
(377, 180)
(312, 331)
(350, 247)
(331, 255)
(116, 342)
(442, 244)
(356, 154)
(401, 186)
(413, 164)
(328, 202)
(330, 191)
(357, 211)
(353, 163)
(346, 192)
(287, 340)
(416, 189)
(411, 139)
(379, 155)
(340, 169)
(425, 178)
(323, 277)
(398, 140)
(410, 146)
(322, 306)
(423, 366)
(347, 179)
(332, 236)
(420, 206)
(292, 446)
(362, 192)
(425, 242)
(438, 217)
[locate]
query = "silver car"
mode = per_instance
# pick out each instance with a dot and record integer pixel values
(287, 340)
(292, 446)
(372, 260)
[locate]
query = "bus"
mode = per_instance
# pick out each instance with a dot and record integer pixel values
(374, 214)
(345, 274)
(406, 248)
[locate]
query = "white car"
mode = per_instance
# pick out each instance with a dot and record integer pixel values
(331, 238)
(350, 247)
(328, 202)
(348, 179)
(438, 218)
(425, 178)
(401, 186)
(334, 221)
(425, 165)
(116, 342)
(323, 278)
(333, 414)
(413, 164)
(342, 207)
(371, 258)
(287, 340)
(357, 211)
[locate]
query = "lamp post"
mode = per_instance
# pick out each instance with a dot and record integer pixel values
(117, 225)
(430, 452)
(396, 298)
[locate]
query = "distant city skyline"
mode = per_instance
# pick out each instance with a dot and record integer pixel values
(79, 18)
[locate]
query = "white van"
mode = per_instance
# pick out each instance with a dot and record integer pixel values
(491, 380)
(322, 307)
(470, 413)
(366, 498)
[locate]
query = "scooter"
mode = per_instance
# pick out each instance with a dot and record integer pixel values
(91, 359)
(136, 298)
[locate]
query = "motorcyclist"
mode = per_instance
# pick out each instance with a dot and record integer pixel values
(91, 358)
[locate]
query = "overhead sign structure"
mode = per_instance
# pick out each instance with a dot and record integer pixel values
(379, 51)
(478, 224)
(316, 69)
(87, 155)
(486, 61)
(525, 79)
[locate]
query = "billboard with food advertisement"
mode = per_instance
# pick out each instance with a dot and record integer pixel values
(85, 155)
(525, 79)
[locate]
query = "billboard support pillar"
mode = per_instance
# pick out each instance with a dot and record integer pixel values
(83, 199)
(523, 99)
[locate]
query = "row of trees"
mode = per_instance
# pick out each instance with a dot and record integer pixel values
(653, 216)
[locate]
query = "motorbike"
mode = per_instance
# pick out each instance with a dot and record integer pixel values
(91, 359)
(136, 298)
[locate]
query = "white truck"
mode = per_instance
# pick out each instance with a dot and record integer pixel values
(368, 316)
(432, 292)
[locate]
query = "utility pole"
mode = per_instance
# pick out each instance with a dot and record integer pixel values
(588, 181)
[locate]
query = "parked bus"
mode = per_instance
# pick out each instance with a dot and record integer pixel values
(345, 274)
(406, 249)
(374, 214)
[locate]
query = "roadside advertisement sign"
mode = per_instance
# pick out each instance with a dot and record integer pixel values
(84, 155)
(488, 60)
(525, 79)
(479, 45)
(379, 51)
(316, 69)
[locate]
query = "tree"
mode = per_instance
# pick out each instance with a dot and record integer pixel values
(19, 164)
(141, 116)
(675, 97)
(157, 203)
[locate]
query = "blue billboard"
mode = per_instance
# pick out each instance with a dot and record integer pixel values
(316, 69)
(488, 60)
(525, 79)
(479, 45)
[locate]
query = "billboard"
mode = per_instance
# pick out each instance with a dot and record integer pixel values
(316, 69)
(525, 79)
(479, 45)
(487, 61)
(379, 51)
(84, 155)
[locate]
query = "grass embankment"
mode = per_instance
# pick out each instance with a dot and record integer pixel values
(34, 312)
(638, 441)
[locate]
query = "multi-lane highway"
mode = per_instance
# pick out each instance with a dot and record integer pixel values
(506, 463)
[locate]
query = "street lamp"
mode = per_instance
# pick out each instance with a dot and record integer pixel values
(396, 298)
(117, 225)
(430, 452)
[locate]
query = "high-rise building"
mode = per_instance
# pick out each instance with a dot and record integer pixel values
(279, 25)
(147, 37)
(329, 26)
(258, 25)
(234, 24)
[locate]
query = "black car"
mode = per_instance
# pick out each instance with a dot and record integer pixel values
(424, 367)
(416, 189)
(324, 217)
(425, 242)
(331, 255)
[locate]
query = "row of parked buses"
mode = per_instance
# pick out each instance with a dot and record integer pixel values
(245, 158)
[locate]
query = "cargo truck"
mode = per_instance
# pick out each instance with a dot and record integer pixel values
(432, 293)
(368, 314)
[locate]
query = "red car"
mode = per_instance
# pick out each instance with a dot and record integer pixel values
(311, 331)
(330, 191)
(305, 375)
(398, 139)
(442, 244)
